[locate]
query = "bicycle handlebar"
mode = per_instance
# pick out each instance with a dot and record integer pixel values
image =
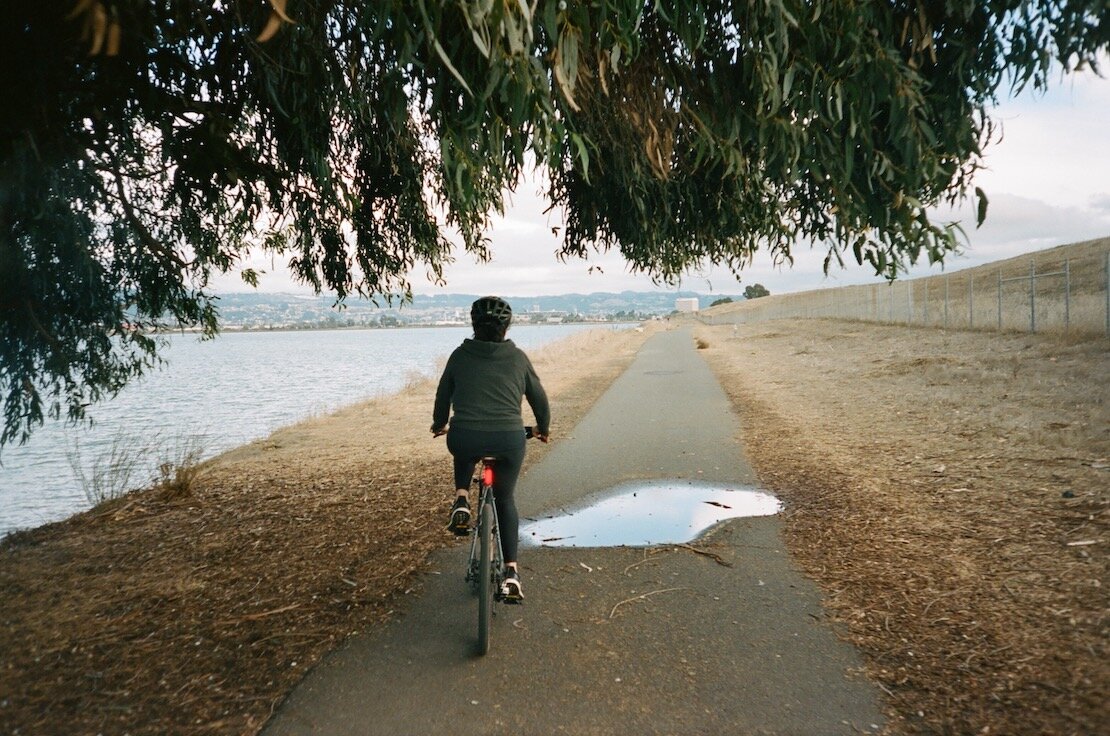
(529, 433)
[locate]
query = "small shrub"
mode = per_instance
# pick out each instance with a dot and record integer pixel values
(110, 473)
(177, 473)
(702, 344)
(126, 466)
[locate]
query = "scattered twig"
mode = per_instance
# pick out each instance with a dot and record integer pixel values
(641, 597)
(936, 600)
(637, 564)
(257, 616)
(290, 635)
(714, 556)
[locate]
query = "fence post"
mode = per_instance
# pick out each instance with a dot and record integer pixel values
(970, 302)
(1032, 296)
(946, 301)
(1000, 300)
(1106, 290)
(1067, 294)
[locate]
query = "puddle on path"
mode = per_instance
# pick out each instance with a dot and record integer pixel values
(647, 513)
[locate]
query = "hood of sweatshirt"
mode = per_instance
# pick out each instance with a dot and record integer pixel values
(480, 347)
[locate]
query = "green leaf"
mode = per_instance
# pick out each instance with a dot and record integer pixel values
(583, 155)
(451, 67)
(981, 212)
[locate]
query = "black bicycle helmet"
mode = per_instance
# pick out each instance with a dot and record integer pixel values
(491, 309)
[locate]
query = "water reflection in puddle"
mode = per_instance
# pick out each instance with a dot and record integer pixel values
(658, 512)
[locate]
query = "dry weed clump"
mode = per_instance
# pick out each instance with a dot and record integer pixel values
(950, 493)
(195, 607)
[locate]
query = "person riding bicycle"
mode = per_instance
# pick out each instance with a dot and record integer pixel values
(484, 381)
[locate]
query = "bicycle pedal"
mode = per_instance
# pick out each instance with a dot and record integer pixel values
(509, 598)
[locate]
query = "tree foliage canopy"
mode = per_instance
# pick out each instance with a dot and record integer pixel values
(754, 291)
(145, 146)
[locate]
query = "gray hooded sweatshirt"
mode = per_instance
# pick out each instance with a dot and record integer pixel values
(485, 382)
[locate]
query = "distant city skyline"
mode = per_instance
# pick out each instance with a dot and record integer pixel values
(1045, 180)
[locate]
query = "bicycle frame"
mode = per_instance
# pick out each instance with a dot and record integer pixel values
(485, 495)
(485, 571)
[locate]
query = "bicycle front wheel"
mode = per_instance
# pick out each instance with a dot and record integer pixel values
(485, 575)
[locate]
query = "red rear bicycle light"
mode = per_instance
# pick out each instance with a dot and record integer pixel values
(487, 475)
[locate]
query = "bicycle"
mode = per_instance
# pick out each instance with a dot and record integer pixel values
(485, 570)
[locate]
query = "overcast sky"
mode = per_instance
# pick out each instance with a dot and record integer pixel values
(1046, 181)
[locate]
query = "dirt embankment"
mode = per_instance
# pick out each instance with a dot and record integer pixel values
(949, 492)
(196, 613)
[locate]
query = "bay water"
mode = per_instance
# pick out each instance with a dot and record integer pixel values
(214, 395)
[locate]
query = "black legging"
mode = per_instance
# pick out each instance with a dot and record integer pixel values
(470, 445)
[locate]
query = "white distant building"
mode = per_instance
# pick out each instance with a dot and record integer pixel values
(686, 305)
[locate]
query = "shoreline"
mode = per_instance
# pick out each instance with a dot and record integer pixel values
(65, 469)
(200, 610)
(614, 324)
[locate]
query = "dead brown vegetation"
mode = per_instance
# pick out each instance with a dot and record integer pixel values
(171, 612)
(949, 491)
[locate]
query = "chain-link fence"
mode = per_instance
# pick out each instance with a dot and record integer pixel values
(1064, 289)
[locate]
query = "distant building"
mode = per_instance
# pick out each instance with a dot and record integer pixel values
(686, 305)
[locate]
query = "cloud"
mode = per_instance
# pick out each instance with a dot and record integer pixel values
(1100, 202)
(1017, 225)
(1054, 145)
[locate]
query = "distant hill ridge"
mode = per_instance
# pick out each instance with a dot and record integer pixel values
(260, 309)
(583, 303)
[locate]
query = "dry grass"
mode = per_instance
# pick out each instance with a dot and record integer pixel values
(169, 612)
(949, 491)
(962, 299)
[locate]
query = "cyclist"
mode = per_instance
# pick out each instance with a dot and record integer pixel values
(484, 381)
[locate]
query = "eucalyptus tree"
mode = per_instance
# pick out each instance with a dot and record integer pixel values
(147, 145)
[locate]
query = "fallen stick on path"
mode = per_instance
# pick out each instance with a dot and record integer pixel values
(716, 557)
(637, 564)
(640, 597)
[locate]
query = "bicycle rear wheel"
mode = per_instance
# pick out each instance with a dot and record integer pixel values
(485, 575)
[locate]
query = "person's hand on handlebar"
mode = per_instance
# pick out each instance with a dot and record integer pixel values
(438, 431)
(533, 433)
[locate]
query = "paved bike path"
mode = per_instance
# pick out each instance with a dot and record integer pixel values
(611, 640)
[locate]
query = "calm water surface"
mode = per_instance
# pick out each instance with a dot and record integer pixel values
(649, 513)
(219, 394)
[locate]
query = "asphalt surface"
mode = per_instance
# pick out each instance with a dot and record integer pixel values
(611, 640)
